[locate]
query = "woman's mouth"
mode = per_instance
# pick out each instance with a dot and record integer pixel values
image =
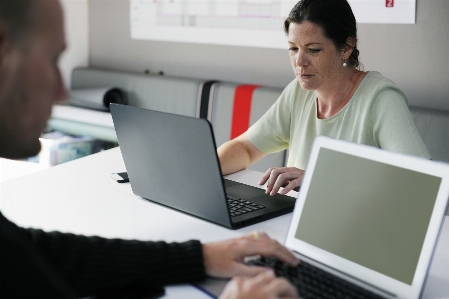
(305, 76)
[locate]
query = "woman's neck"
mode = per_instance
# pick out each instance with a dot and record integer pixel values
(334, 98)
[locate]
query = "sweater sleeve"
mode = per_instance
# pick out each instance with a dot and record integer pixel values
(93, 265)
(271, 133)
(393, 125)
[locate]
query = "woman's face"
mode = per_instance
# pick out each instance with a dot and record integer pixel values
(315, 60)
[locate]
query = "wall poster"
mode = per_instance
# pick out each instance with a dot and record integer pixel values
(253, 23)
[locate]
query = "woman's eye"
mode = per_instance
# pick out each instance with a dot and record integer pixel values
(314, 50)
(293, 49)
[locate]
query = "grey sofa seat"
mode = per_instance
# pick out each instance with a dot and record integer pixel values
(180, 96)
(433, 126)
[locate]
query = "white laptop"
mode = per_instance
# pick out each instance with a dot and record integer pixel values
(370, 216)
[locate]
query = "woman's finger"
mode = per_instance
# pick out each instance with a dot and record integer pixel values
(290, 180)
(266, 176)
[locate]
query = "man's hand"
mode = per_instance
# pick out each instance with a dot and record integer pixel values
(226, 258)
(263, 286)
(276, 177)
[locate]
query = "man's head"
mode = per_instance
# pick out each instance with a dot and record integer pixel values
(31, 41)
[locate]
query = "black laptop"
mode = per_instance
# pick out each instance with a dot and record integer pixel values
(172, 160)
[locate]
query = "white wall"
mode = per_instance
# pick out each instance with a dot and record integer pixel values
(413, 56)
(77, 35)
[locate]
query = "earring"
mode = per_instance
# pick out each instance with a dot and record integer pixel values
(344, 64)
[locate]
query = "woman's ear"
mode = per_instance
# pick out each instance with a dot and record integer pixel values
(349, 47)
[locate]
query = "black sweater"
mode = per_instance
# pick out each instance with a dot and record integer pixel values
(59, 265)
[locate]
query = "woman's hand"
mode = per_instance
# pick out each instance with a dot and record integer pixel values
(288, 177)
(226, 258)
(263, 286)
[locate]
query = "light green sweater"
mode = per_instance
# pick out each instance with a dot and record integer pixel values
(377, 115)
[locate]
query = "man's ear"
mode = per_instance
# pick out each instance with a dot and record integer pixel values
(5, 42)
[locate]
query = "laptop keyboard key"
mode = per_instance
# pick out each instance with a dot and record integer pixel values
(239, 206)
(313, 282)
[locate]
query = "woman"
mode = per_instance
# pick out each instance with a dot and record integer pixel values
(330, 96)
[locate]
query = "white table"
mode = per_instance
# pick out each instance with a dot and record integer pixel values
(11, 169)
(80, 197)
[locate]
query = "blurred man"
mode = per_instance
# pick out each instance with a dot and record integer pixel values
(56, 265)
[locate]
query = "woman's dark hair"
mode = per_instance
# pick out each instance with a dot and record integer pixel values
(335, 17)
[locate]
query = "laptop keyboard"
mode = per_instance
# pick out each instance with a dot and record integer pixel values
(313, 282)
(238, 206)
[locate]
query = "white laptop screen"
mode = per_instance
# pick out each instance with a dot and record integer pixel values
(368, 212)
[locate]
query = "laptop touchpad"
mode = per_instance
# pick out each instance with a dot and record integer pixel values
(243, 192)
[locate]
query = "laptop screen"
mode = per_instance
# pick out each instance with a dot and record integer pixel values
(368, 212)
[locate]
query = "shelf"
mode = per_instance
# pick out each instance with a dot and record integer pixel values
(85, 122)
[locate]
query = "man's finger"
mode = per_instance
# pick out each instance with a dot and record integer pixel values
(264, 277)
(245, 270)
(281, 287)
(257, 235)
(269, 247)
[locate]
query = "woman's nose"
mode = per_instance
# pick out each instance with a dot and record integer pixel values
(300, 61)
